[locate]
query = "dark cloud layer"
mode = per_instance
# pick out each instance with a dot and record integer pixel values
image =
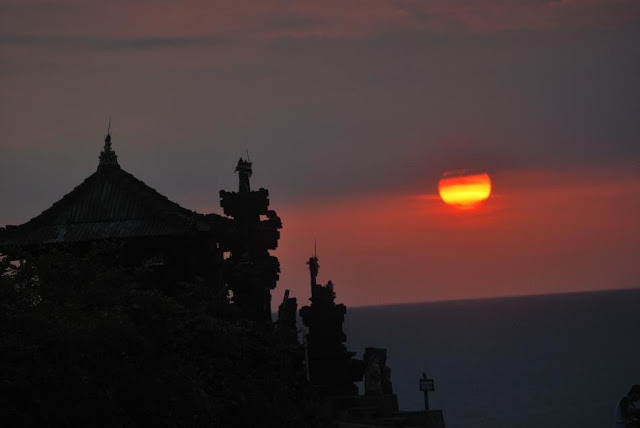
(97, 43)
(328, 99)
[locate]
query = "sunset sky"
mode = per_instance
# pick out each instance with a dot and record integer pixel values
(351, 111)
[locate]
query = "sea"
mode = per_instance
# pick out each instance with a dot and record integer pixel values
(548, 361)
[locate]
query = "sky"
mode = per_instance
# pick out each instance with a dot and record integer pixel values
(351, 111)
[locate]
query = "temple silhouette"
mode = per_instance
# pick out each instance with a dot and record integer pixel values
(231, 254)
(331, 366)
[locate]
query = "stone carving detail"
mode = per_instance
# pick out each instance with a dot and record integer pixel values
(377, 376)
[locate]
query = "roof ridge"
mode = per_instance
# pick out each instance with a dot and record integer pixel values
(67, 197)
(152, 195)
(133, 192)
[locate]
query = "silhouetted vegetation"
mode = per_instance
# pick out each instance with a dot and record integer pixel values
(86, 343)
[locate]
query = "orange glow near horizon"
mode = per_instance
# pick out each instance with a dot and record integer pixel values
(563, 230)
(465, 191)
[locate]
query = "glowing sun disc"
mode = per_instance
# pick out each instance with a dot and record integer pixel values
(465, 191)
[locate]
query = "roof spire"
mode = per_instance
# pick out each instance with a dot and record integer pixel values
(108, 157)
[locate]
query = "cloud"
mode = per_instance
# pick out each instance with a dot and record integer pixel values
(190, 88)
(201, 33)
(162, 21)
(105, 43)
(343, 115)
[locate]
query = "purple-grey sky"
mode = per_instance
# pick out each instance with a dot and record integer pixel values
(335, 101)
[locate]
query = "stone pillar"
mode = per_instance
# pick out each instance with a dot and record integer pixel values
(377, 376)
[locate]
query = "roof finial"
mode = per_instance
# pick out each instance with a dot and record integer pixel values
(244, 171)
(108, 157)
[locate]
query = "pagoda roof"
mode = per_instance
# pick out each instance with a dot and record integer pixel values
(110, 204)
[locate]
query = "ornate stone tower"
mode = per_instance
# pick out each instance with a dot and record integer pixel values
(332, 368)
(250, 272)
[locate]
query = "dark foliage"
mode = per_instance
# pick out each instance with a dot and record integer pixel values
(84, 343)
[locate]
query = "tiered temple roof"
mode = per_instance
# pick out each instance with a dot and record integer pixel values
(109, 204)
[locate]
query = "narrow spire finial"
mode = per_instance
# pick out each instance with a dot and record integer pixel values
(108, 157)
(314, 266)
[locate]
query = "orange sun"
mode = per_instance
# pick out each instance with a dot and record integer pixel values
(464, 190)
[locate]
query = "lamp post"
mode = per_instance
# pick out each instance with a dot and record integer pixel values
(426, 385)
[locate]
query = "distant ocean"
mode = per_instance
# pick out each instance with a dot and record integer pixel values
(542, 361)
